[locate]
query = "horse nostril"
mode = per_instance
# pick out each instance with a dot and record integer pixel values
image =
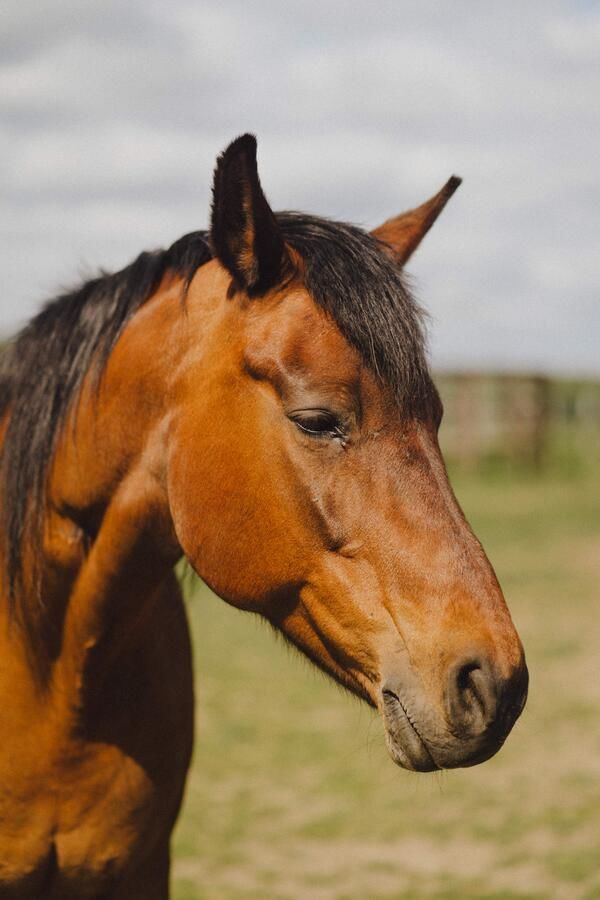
(472, 697)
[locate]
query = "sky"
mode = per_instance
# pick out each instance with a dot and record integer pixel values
(112, 115)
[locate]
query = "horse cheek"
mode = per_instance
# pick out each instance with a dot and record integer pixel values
(233, 521)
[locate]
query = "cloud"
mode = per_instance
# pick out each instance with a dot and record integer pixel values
(112, 116)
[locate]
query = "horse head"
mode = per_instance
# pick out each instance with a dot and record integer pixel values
(306, 481)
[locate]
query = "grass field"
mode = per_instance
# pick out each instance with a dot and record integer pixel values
(292, 794)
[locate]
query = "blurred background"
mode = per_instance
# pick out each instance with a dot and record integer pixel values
(112, 115)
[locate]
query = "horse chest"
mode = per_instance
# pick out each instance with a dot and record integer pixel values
(84, 830)
(77, 814)
(103, 822)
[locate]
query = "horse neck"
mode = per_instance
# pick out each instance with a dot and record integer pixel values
(108, 538)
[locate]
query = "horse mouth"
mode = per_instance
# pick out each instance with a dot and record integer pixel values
(405, 744)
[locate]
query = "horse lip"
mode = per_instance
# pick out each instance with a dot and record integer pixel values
(407, 747)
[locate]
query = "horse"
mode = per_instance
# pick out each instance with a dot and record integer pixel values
(257, 400)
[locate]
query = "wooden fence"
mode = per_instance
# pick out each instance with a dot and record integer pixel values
(515, 418)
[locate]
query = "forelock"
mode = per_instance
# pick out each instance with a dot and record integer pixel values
(351, 277)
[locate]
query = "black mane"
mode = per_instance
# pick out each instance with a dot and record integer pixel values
(42, 370)
(346, 271)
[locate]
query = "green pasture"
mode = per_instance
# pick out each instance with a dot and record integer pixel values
(292, 794)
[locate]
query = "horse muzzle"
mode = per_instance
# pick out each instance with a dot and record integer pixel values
(475, 716)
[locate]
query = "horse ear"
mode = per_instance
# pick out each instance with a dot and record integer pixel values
(404, 233)
(245, 235)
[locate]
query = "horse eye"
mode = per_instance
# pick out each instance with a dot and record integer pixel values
(318, 423)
